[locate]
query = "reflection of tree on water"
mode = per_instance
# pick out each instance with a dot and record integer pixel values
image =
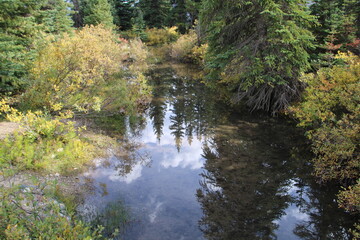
(243, 187)
(192, 107)
(158, 104)
(319, 203)
(249, 173)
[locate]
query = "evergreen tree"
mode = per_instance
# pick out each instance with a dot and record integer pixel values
(123, 13)
(192, 10)
(338, 24)
(76, 13)
(156, 12)
(17, 27)
(22, 21)
(258, 49)
(54, 16)
(179, 16)
(138, 24)
(96, 12)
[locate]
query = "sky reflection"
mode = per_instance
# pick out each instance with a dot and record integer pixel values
(239, 176)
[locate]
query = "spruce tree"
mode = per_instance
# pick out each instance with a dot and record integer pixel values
(96, 12)
(338, 24)
(76, 13)
(155, 12)
(17, 28)
(179, 16)
(123, 13)
(258, 49)
(54, 16)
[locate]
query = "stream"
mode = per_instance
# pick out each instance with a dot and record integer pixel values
(199, 169)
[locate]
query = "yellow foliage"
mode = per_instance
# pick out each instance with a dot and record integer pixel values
(43, 143)
(332, 112)
(181, 49)
(157, 36)
(78, 70)
(185, 49)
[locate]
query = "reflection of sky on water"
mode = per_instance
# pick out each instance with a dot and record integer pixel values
(189, 156)
(292, 216)
(161, 197)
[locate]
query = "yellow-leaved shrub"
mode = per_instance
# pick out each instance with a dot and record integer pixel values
(86, 71)
(43, 143)
(331, 113)
(186, 49)
(159, 36)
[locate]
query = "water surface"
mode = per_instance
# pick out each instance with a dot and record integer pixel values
(200, 170)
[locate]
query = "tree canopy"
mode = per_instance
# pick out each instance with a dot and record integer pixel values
(258, 49)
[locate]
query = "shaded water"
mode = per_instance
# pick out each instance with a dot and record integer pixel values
(202, 171)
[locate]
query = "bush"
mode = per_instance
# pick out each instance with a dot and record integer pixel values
(26, 213)
(157, 36)
(185, 49)
(43, 143)
(85, 71)
(181, 50)
(331, 112)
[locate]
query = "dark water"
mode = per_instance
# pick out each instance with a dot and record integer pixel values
(199, 170)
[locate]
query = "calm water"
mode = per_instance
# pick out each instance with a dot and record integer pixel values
(198, 170)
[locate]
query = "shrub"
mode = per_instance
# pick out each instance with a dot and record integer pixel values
(157, 36)
(181, 50)
(331, 112)
(198, 53)
(26, 213)
(85, 71)
(185, 49)
(43, 143)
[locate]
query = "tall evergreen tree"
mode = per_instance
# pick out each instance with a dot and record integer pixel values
(179, 16)
(258, 49)
(16, 27)
(21, 21)
(192, 10)
(155, 12)
(338, 23)
(54, 16)
(137, 22)
(96, 12)
(123, 13)
(76, 13)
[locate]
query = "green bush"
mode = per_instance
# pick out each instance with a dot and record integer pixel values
(27, 213)
(331, 113)
(43, 143)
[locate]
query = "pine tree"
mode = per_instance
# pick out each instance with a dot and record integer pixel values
(96, 12)
(179, 16)
(192, 10)
(76, 13)
(17, 27)
(155, 12)
(54, 16)
(137, 22)
(123, 13)
(338, 24)
(22, 21)
(258, 49)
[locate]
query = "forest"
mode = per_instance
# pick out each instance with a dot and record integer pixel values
(62, 59)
